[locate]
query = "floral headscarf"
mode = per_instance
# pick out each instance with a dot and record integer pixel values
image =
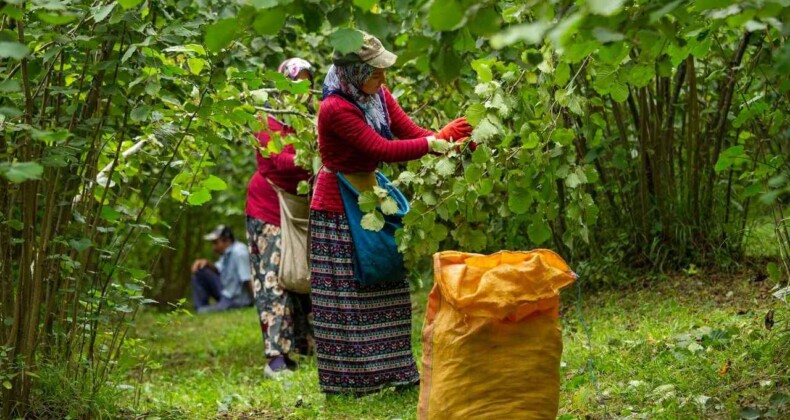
(346, 81)
(293, 66)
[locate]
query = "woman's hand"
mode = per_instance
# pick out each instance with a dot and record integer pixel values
(456, 129)
(198, 265)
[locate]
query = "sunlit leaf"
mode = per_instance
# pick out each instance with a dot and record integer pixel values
(199, 197)
(373, 221)
(605, 7)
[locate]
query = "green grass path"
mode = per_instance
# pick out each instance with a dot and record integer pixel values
(689, 347)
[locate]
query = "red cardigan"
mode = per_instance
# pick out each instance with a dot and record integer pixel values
(262, 200)
(347, 144)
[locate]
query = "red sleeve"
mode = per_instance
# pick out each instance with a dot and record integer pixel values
(347, 122)
(401, 125)
(283, 160)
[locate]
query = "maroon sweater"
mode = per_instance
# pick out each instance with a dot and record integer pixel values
(347, 144)
(279, 168)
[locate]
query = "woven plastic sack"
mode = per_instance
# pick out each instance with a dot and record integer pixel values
(492, 341)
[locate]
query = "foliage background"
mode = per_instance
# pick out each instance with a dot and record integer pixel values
(627, 135)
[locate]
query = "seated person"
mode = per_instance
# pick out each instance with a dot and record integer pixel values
(227, 280)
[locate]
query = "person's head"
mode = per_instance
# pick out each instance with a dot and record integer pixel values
(221, 238)
(297, 69)
(366, 67)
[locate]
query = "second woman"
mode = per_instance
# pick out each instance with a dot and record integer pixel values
(284, 315)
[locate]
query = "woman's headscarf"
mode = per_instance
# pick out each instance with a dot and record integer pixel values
(346, 81)
(293, 66)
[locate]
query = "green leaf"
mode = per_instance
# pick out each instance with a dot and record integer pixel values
(214, 183)
(473, 173)
(749, 413)
(373, 221)
(447, 64)
(519, 199)
(531, 33)
(101, 13)
(730, 157)
(485, 131)
(641, 75)
(481, 155)
(614, 53)
(483, 70)
(389, 206)
(477, 240)
(563, 136)
(445, 15)
(439, 232)
(110, 214)
(196, 65)
(54, 19)
(445, 167)
(13, 50)
(619, 92)
(774, 272)
(539, 231)
(368, 200)
(605, 7)
(81, 244)
(485, 22)
(140, 113)
(265, 4)
(17, 172)
(577, 51)
(346, 40)
(475, 113)
(269, 21)
(220, 34)
(137, 274)
(10, 85)
(365, 5)
(152, 88)
(7, 384)
(13, 12)
(533, 140)
(199, 197)
(605, 35)
(562, 74)
(128, 4)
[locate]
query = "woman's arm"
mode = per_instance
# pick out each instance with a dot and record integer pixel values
(285, 159)
(347, 122)
(400, 124)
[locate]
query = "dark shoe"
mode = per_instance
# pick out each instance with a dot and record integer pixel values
(276, 367)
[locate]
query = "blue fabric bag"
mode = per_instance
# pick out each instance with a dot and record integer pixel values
(376, 256)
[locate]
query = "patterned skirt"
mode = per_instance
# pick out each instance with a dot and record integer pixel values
(362, 333)
(284, 316)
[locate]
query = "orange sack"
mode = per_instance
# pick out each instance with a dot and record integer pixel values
(492, 341)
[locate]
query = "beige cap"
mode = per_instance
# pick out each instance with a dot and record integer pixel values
(371, 52)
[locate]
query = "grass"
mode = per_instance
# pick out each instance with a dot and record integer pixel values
(686, 347)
